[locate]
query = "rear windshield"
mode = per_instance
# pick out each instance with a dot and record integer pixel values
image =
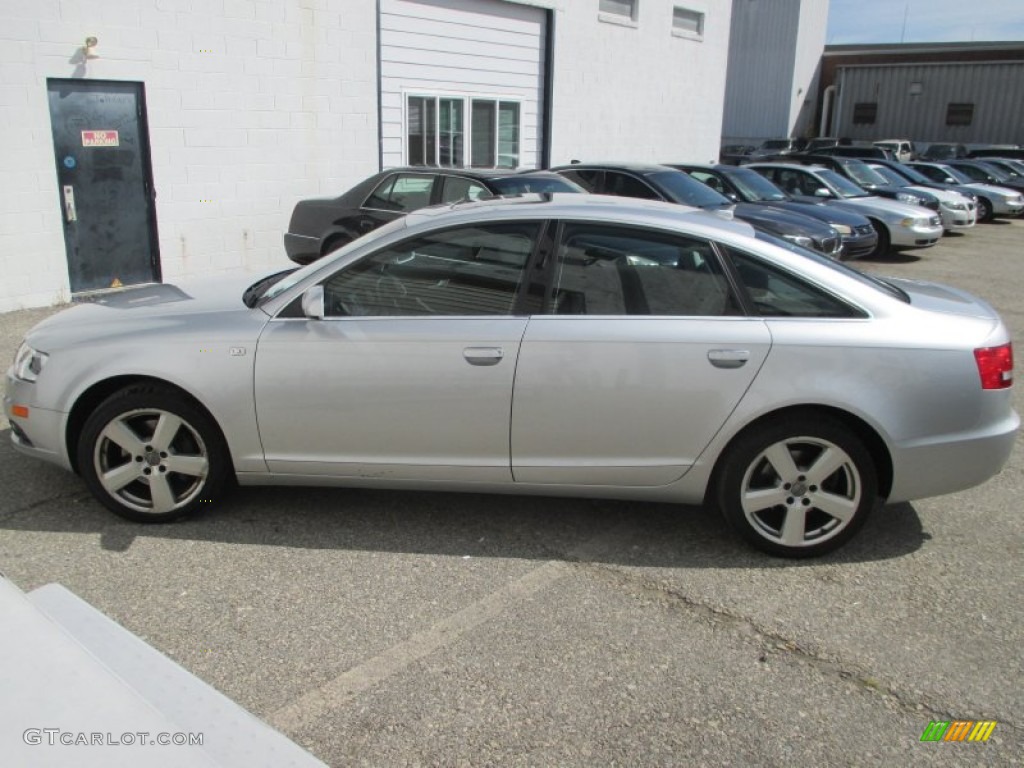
(861, 277)
(685, 190)
(756, 187)
(518, 185)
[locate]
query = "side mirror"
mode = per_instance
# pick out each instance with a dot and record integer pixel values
(949, 180)
(822, 192)
(733, 196)
(313, 303)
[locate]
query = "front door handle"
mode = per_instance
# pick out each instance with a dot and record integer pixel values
(70, 214)
(483, 355)
(728, 358)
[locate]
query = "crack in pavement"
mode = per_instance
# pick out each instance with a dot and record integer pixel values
(11, 513)
(773, 643)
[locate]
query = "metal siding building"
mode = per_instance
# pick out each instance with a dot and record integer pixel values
(774, 56)
(913, 101)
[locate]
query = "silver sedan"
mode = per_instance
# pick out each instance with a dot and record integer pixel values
(558, 345)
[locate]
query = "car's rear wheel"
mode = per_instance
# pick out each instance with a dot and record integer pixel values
(984, 210)
(797, 487)
(150, 454)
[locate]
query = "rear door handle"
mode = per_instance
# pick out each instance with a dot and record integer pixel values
(483, 355)
(728, 358)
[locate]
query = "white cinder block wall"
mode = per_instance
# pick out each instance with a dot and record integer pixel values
(638, 92)
(252, 104)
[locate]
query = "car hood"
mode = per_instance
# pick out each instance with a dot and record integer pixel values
(992, 189)
(191, 303)
(821, 211)
(778, 220)
(886, 206)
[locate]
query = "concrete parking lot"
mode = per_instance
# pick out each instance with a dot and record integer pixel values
(384, 628)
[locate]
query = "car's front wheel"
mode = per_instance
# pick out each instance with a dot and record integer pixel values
(984, 210)
(150, 454)
(797, 487)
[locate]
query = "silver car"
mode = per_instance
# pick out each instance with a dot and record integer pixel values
(898, 224)
(560, 345)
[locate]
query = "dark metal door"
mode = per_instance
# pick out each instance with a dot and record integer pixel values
(105, 182)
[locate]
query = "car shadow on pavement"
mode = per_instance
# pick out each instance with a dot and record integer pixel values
(49, 500)
(893, 257)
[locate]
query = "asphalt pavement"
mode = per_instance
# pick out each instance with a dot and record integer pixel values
(395, 628)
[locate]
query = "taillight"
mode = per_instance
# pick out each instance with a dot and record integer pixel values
(995, 366)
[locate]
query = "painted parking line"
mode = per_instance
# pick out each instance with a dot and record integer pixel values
(338, 692)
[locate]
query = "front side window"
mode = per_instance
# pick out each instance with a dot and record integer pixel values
(777, 293)
(402, 192)
(474, 270)
(608, 270)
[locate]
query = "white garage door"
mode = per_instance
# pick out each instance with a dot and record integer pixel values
(461, 83)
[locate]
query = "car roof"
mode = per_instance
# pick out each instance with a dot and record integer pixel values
(473, 173)
(568, 205)
(633, 167)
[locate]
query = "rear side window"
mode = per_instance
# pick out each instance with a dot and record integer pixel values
(402, 192)
(586, 179)
(623, 185)
(776, 293)
(606, 270)
(458, 188)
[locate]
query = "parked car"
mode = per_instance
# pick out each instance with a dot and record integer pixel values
(856, 150)
(734, 154)
(986, 173)
(747, 186)
(903, 150)
(1014, 168)
(955, 210)
(773, 147)
(856, 170)
(660, 182)
(823, 142)
(1004, 150)
(993, 200)
(898, 224)
(918, 179)
(665, 355)
(321, 225)
(941, 151)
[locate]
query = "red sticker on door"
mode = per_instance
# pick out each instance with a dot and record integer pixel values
(100, 139)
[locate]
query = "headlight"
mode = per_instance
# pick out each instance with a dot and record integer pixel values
(906, 197)
(842, 229)
(799, 240)
(28, 362)
(954, 206)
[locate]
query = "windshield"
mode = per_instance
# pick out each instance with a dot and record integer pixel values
(755, 187)
(996, 171)
(518, 185)
(864, 278)
(842, 185)
(681, 188)
(891, 177)
(863, 174)
(912, 174)
(961, 178)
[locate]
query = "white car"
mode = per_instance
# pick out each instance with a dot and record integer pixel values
(956, 211)
(992, 200)
(898, 224)
(902, 149)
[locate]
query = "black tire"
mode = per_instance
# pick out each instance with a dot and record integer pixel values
(811, 497)
(882, 247)
(984, 210)
(150, 454)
